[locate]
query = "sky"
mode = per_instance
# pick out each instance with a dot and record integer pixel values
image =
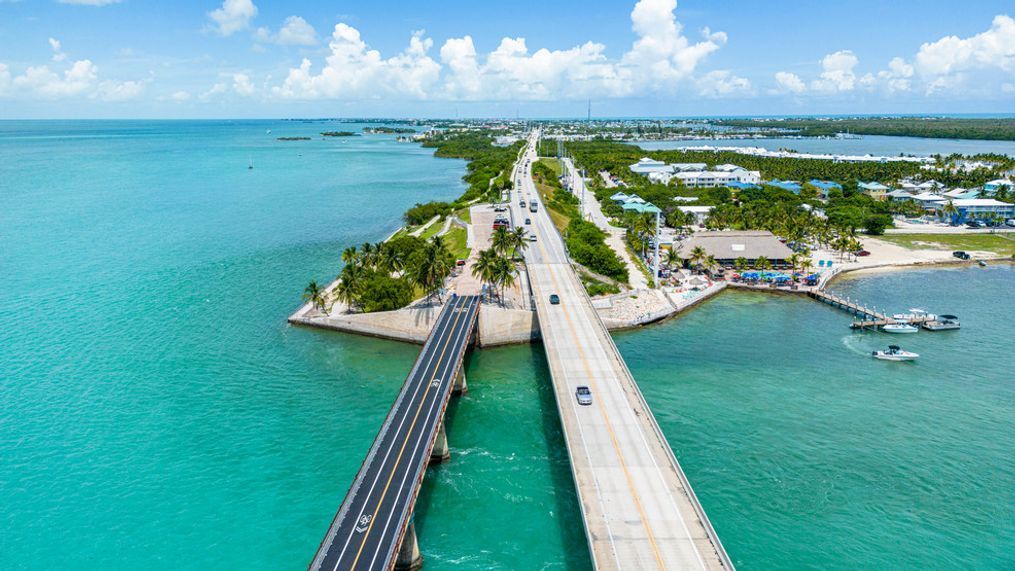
(635, 58)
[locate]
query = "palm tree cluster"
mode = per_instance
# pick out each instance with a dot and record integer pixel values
(384, 276)
(493, 266)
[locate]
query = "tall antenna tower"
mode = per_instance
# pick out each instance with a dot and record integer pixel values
(589, 115)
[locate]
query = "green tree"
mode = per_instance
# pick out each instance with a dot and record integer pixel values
(430, 266)
(740, 264)
(761, 263)
(316, 295)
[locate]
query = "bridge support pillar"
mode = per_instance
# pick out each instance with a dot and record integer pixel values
(461, 387)
(409, 558)
(441, 452)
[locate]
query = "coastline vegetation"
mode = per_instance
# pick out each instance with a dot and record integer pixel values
(338, 134)
(935, 127)
(292, 139)
(385, 130)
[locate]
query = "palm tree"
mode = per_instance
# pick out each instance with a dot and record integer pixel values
(430, 266)
(501, 240)
(349, 283)
(949, 210)
(483, 269)
(740, 264)
(762, 263)
(673, 258)
(519, 240)
(698, 255)
(316, 295)
(503, 275)
(710, 264)
(349, 255)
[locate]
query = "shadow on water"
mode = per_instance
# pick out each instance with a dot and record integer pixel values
(571, 527)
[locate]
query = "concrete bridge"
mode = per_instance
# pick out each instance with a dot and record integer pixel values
(373, 528)
(639, 509)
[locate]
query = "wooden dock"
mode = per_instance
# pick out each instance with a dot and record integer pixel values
(868, 318)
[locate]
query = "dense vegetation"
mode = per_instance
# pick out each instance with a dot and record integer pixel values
(388, 130)
(486, 161)
(423, 212)
(293, 139)
(338, 134)
(943, 127)
(585, 242)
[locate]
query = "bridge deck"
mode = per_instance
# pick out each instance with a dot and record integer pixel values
(638, 507)
(368, 528)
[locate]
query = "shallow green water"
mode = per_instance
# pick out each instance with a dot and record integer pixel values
(157, 412)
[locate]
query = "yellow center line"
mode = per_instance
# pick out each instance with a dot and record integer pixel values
(609, 426)
(405, 442)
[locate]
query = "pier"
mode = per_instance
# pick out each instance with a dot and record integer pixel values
(374, 527)
(868, 318)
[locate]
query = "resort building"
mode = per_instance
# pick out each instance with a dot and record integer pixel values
(875, 190)
(789, 185)
(980, 208)
(688, 167)
(901, 195)
(929, 200)
(726, 247)
(700, 212)
(991, 188)
(646, 165)
(962, 193)
(824, 186)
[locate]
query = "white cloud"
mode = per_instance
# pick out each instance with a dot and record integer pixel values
(790, 82)
(354, 70)
(233, 16)
(242, 85)
(659, 60)
(90, 2)
(81, 79)
(296, 31)
(58, 54)
(994, 48)
(897, 76)
(722, 83)
(837, 72)
(180, 96)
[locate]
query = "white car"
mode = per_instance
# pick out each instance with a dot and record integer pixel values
(584, 395)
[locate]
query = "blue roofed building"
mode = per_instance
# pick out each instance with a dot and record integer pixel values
(824, 186)
(875, 190)
(741, 185)
(789, 185)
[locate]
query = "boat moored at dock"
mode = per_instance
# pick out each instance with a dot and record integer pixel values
(942, 323)
(900, 328)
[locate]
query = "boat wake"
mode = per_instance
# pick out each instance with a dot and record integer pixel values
(854, 344)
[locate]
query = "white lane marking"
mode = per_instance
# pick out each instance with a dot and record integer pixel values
(461, 337)
(387, 454)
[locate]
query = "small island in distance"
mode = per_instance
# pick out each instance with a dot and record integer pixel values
(388, 130)
(339, 134)
(293, 139)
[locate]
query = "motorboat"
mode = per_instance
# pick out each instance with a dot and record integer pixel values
(900, 328)
(894, 353)
(942, 323)
(915, 314)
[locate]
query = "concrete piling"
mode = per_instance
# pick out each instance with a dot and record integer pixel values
(441, 452)
(409, 558)
(461, 387)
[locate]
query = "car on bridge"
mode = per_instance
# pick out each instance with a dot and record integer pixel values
(528, 221)
(584, 395)
(554, 299)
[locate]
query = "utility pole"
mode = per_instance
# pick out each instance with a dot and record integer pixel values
(655, 277)
(588, 117)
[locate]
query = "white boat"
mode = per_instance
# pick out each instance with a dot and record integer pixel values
(942, 323)
(894, 353)
(900, 328)
(915, 313)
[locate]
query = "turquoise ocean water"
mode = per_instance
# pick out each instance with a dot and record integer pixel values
(156, 411)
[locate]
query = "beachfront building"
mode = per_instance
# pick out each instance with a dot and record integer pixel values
(962, 193)
(700, 212)
(929, 201)
(790, 185)
(824, 186)
(645, 165)
(726, 247)
(981, 209)
(875, 190)
(688, 167)
(991, 188)
(901, 195)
